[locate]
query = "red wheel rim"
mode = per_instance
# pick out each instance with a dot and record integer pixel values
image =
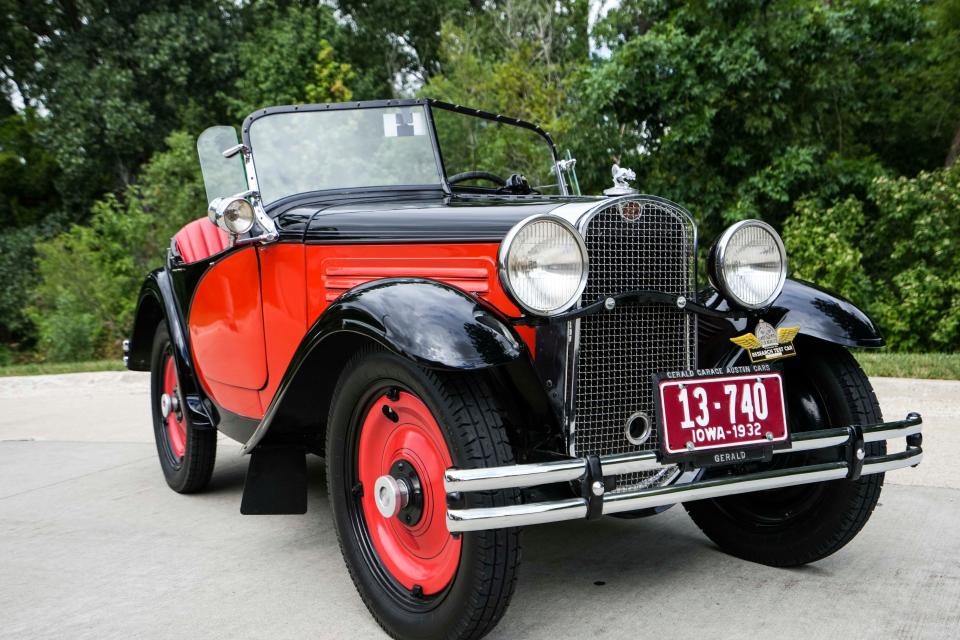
(176, 425)
(423, 554)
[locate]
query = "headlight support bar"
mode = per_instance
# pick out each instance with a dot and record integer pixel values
(637, 296)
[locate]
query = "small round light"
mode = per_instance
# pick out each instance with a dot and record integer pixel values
(238, 216)
(748, 264)
(543, 264)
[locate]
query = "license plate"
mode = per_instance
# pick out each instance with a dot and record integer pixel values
(722, 412)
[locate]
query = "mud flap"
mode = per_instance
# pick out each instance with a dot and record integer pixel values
(276, 481)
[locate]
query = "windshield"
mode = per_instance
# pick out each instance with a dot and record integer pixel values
(473, 145)
(318, 148)
(300, 151)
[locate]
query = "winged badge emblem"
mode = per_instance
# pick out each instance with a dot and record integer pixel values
(768, 343)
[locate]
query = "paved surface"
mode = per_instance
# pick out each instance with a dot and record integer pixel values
(94, 545)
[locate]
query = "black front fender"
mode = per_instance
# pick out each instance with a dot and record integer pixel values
(431, 323)
(819, 314)
(157, 303)
(822, 314)
(434, 324)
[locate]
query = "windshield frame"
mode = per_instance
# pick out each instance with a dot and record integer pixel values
(428, 104)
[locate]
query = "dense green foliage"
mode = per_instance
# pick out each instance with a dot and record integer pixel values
(837, 122)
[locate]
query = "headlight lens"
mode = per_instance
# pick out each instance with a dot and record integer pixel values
(233, 215)
(238, 216)
(543, 264)
(749, 264)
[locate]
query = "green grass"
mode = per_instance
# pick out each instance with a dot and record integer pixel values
(941, 366)
(944, 366)
(35, 369)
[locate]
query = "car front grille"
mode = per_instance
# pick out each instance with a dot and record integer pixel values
(640, 243)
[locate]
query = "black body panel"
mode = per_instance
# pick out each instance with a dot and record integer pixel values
(429, 322)
(819, 314)
(408, 217)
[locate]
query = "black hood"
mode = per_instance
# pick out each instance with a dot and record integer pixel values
(409, 217)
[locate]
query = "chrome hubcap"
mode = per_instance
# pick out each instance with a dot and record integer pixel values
(168, 403)
(391, 495)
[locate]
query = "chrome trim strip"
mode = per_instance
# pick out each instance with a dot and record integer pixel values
(815, 440)
(513, 477)
(662, 496)
(887, 434)
(882, 464)
(519, 515)
(622, 463)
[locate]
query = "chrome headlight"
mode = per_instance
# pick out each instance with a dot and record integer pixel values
(234, 215)
(543, 264)
(748, 264)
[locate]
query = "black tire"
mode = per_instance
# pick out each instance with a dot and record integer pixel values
(191, 472)
(471, 424)
(797, 525)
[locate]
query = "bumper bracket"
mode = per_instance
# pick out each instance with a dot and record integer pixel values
(855, 452)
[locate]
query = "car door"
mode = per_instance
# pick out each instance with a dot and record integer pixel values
(227, 335)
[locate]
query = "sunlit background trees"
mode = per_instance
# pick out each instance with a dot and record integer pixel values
(838, 122)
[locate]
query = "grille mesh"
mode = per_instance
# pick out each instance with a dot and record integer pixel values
(638, 244)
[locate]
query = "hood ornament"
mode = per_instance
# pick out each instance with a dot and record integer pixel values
(621, 179)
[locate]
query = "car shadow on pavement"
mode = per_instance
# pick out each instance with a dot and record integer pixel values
(658, 547)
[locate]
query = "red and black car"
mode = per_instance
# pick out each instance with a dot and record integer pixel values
(415, 292)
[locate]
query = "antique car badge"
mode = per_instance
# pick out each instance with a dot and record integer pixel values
(768, 343)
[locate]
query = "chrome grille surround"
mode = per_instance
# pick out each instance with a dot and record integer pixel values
(636, 242)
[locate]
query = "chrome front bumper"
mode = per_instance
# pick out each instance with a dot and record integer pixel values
(596, 501)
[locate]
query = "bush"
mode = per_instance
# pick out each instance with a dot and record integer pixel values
(88, 278)
(16, 253)
(913, 257)
(822, 246)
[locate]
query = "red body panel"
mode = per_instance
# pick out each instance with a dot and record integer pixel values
(283, 283)
(229, 328)
(226, 333)
(334, 269)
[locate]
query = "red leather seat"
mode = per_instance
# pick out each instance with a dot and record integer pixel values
(200, 239)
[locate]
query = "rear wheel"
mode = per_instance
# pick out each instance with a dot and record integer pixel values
(186, 454)
(393, 430)
(797, 525)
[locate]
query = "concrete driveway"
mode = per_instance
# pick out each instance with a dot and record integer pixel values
(94, 545)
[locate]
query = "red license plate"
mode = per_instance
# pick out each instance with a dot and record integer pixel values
(699, 414)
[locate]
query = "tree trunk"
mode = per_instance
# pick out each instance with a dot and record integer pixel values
(954, 151)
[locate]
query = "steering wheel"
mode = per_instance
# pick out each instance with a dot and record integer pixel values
(477, 175)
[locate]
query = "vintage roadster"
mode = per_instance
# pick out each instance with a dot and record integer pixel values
(416, 292)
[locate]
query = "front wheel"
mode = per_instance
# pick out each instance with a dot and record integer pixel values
(788, 527)
(393, 430)
(187, 455)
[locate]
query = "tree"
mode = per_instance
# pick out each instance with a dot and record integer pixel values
(741, 107)
(114, 78)
(289, 53)
(516, 60)
(89, 275)
(330, 78)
